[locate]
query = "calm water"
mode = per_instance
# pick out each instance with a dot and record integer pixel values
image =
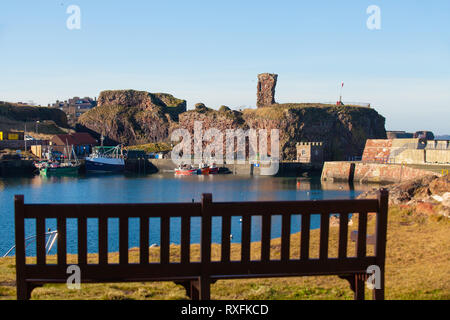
(158, 188)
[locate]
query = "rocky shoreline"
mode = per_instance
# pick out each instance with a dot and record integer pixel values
(429, 195)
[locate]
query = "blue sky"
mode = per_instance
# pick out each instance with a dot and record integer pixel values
(212, 51)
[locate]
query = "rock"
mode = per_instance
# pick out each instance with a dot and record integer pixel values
(343, 130)
(266, 89)
(133, 117)
(425, 208)
(427, 195)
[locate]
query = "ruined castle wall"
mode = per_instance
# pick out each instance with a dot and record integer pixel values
(266, 89)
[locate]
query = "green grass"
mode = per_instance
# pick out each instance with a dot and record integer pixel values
(152, 147)
(418, 259)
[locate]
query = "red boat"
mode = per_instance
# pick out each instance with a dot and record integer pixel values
(185, 171)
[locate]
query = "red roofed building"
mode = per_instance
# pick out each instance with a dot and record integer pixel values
(82, 142)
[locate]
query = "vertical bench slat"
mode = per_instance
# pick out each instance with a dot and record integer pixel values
(362, 234)
(40, 241)
(304, 245)
(324, 234)
(285, 237)
(185, 240)
(343, 235)
(19, 222)
(380, 242)
(123, 240)
(265, 237)
(103, 241)
(143, 240)
(226, 233)
(62, 241)
(165, 238)
(245, 246)
(206, 228)
(82, 240)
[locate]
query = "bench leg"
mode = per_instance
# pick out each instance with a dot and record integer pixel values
(25, 289)
(357, 284)
(205, 288)
(360, 283)
(22, 291)
(378, 294)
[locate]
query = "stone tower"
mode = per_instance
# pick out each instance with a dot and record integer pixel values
(266, 89)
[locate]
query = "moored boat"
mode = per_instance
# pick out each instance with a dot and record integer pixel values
(106, 159)
(213, 169)
(186, 170)
(60, 169)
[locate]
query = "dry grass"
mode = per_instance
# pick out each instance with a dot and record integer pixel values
(418, 259)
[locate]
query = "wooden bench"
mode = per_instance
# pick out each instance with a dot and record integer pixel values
(197, 277)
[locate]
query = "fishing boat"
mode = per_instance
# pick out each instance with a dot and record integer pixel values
(106, 160)
(213, 169)
(186, 170)
(55, 168)
(203, 169)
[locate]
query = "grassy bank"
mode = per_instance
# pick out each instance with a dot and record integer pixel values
(418, 259)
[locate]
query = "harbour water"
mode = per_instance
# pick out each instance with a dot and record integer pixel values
(159, 188)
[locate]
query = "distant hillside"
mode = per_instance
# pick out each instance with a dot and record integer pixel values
(443, 137)
(14, 117)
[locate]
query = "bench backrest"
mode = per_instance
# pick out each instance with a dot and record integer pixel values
(165, 269)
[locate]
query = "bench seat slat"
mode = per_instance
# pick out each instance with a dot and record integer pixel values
(217, 269)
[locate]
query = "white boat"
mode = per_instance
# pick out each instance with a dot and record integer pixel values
(106, 159)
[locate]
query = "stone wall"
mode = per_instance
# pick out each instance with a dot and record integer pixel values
(406, 151)
(338, 171)
(370, 172)
(438, 156)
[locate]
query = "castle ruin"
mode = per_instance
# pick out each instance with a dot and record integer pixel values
(266, 89)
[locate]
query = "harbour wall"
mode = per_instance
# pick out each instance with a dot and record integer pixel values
(285, 168)
(407, 151)
(10, 168)
(377, 173)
